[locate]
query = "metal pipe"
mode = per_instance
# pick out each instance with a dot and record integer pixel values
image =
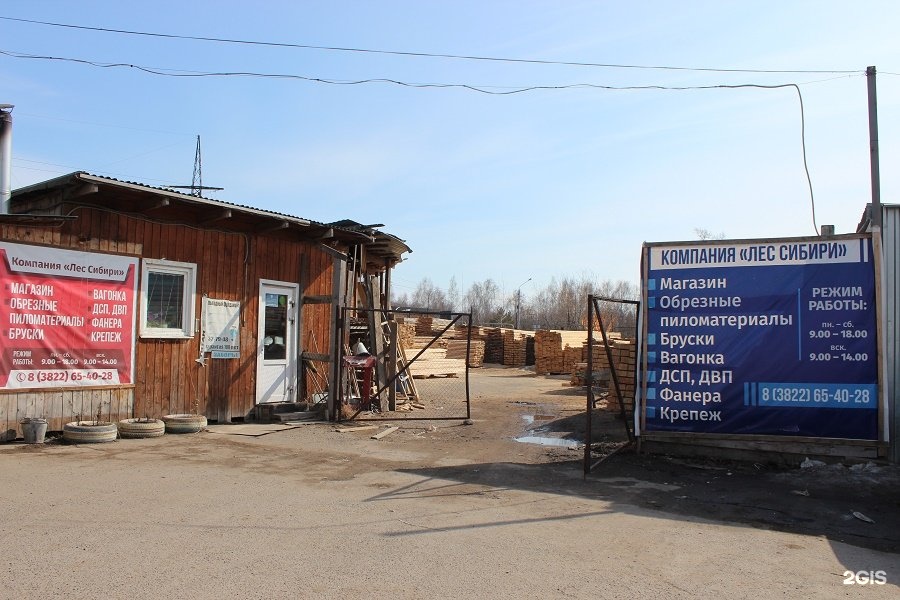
(5, 156)
(589, 380)
(873, 150)
(468, 358)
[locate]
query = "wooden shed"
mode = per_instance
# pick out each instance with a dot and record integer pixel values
(136, 301)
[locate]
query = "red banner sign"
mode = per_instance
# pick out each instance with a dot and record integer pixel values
(67, 318)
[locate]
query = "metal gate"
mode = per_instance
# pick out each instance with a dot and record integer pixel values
(611, 373)
(401, 365)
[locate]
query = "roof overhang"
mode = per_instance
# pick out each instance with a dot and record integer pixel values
(865, 222)
(385, 248)
(165, 205)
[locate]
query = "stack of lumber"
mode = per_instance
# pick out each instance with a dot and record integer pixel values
(421, 341)
(438, 325)
(433, 362)
(457, 349)
(423, 326)
(489, 344)
(624, 359)
(570, 357)
(461, 332)
(556, 352)
(493, 346)
(602, 377)
(406, 334)
(547, 352)
(513, 349)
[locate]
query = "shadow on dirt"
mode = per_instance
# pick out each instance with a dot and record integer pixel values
(818, 501)
(572, 392)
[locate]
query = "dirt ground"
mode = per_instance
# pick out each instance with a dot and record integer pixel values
(437, 510)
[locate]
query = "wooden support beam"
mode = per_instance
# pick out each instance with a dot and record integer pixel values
(161, 202)
(300, 328)
(85, 189)
(332, 252)
(279, 226)
(223, 214)
(392, 364)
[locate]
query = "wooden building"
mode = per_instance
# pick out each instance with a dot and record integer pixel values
(133, 301)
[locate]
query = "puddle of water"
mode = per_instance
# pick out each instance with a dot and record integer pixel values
(549, 441)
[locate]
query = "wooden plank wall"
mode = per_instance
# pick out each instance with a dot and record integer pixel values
(62, 406)
(317, 321)
(229, 266)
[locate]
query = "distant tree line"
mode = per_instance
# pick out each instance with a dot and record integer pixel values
(561, 304)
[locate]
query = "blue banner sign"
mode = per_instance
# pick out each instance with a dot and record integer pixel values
(765, 338)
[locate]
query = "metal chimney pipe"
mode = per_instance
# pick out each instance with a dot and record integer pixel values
(5, 156)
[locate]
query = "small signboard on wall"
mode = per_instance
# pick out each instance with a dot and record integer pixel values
(221, 328)
(766, 337)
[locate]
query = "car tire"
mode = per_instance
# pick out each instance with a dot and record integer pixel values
(184, 423)
(141, 428)
(89, 432)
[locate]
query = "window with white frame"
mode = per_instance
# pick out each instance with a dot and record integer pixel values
(168, 296)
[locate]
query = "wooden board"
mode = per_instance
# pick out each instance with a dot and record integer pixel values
(356, 428)
(385, 433)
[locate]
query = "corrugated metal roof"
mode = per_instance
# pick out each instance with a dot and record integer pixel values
(90, 177)
(393, 244)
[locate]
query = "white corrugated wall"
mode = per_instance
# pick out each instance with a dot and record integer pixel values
(891, 245)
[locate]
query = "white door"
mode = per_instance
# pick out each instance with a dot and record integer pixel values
(276, 352)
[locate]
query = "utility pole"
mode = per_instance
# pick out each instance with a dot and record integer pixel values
(519, 300)
(873, 150)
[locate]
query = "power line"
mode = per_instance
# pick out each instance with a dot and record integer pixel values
(421, 54)
(160, 72)
(94, 123)
(72, 168)
(495, 90)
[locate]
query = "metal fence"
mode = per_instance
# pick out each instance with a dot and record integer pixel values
(401, 365)
(610, 378)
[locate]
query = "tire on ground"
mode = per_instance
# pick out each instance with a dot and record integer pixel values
(141, 428)
(185, 423)
(89, 432)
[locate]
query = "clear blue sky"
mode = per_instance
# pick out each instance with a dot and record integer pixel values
(536, 184)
